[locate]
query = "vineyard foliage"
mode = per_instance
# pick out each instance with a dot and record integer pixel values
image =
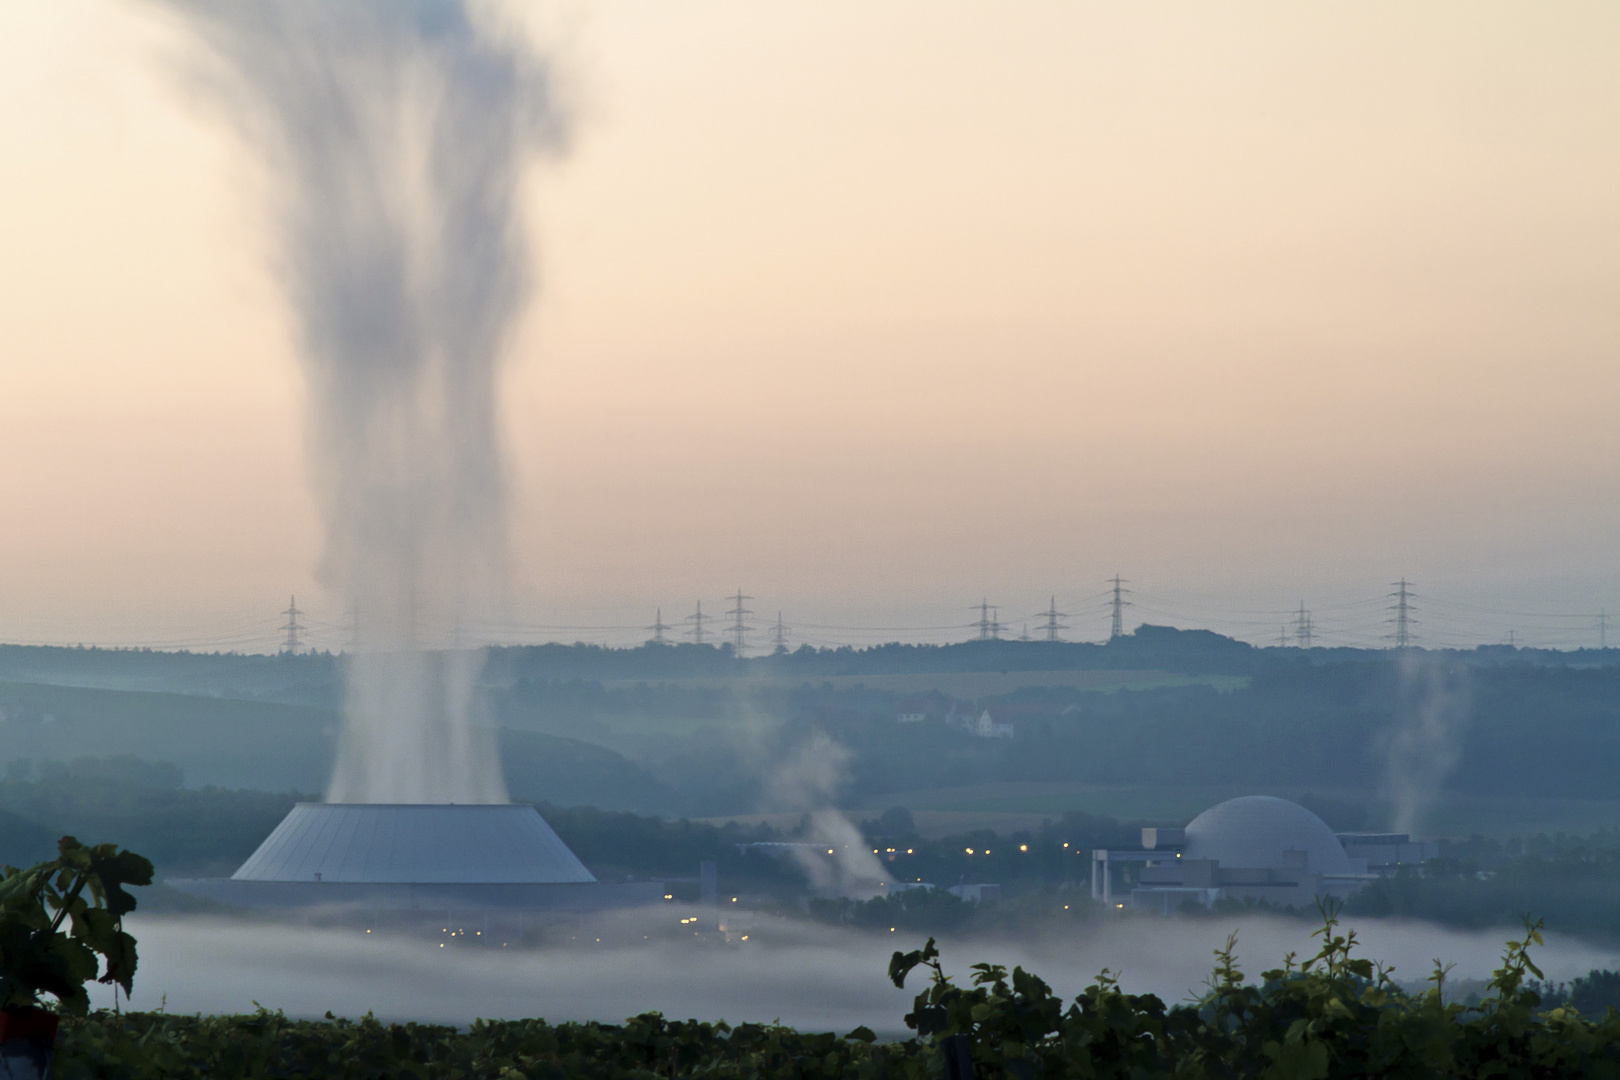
(1331, 1015)
(61, 919)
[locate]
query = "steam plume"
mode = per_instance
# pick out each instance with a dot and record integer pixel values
(1426, 741)
(395, 133)
(809, 780)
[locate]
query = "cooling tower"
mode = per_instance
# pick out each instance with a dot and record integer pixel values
(417, 857)
(375, 844)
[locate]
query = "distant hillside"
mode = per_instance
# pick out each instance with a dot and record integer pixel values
(265, 746)
(316, 680)
(222, 741)
(689, 730)
(313, 679)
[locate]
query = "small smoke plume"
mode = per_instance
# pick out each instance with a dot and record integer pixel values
(1431, 714)
(395, 134)
(840, 864)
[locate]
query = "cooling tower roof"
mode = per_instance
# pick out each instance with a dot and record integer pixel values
(413, 844)
(1253, 832)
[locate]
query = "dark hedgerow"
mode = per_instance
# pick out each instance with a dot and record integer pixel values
(1332, 1015)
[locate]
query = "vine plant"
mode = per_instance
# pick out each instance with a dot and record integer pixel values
(60, 920)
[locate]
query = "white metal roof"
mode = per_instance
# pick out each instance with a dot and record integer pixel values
(1254, 831)
(413, 844)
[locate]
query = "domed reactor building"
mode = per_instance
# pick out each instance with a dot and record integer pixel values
(1256, 847)
(489, 867)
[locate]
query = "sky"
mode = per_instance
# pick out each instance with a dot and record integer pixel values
(875, 312)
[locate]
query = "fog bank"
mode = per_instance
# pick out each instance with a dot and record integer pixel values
(811, 977)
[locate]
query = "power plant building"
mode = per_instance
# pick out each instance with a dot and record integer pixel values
(1255, 847)
(419, 857)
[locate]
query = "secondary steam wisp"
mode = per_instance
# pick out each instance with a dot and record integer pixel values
(396, 133)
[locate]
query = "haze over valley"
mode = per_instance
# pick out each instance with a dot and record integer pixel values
(572, 511)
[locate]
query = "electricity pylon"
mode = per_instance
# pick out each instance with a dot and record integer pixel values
(739, 629)
(291, 627)
(1402, 618)
(1052, 625)
(697, 620)
(988, 627)
(1119, 604)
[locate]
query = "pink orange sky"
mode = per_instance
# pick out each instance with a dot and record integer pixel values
(875, 310)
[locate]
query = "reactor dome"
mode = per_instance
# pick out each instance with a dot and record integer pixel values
(1255, 832)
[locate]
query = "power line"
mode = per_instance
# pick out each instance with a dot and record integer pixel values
(291, 627)
(988, 626)
(1303, 627)
(1403, 608)
(1119, 604)
(779, 635)
(1372, 622)
(697, 621)
(1052, 625)
(658, 627)
(739, 629)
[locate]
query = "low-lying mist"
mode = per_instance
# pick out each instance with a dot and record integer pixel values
(808, 976)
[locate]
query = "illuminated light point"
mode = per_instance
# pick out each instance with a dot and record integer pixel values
(969, 850)
(1023, 847)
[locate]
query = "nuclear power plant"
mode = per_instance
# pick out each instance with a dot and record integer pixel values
(397, 865)
(1252, 848)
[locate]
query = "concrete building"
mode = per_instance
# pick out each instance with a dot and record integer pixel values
(1385, 853)
(1256, 847)
(381, 858)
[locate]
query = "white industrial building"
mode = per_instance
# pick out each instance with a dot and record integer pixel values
(421, 857)
(1257, 847)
